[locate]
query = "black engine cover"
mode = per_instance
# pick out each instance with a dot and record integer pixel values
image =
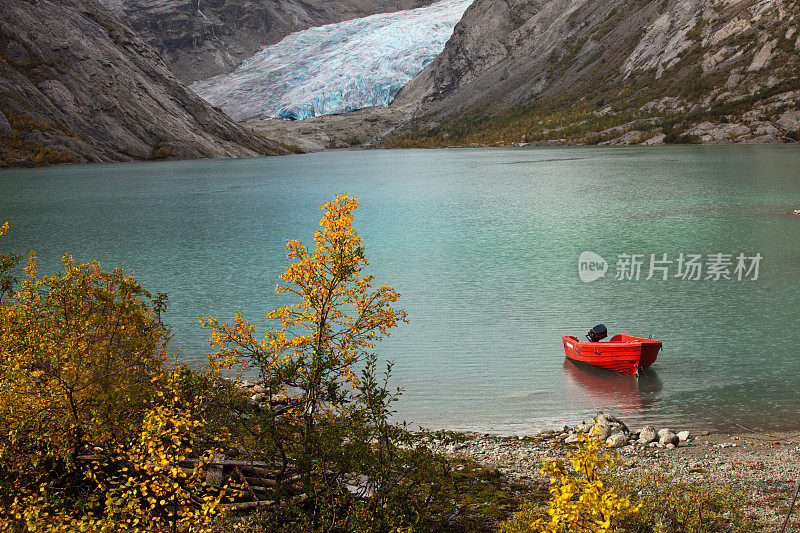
(597, 333)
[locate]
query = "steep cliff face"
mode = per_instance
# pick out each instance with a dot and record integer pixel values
(77, 84)
(587, 70)
(503, 51)
(203, 38)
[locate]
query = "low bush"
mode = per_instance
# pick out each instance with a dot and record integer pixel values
(92, 432)
(684, 507)
(581, 500)
(138, 486)
(80, 353)
(160, 149)
(594, 499)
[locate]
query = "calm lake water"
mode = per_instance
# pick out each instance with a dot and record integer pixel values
(483, 245)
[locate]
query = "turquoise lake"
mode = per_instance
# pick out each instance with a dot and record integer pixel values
(483, 245)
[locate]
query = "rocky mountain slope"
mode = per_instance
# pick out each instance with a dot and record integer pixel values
(203, 38)
(610, 71)
(77, 84)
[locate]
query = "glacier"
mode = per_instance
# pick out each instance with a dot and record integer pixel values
(335, 68)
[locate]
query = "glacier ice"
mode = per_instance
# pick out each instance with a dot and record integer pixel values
(335, 68)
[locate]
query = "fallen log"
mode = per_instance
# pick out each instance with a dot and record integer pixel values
(249, 506)
(228, 462)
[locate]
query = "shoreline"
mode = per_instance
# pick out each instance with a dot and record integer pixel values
(765, 466)
(560, 143)
(258, 395)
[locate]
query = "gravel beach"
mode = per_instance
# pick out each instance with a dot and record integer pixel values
(766, 466)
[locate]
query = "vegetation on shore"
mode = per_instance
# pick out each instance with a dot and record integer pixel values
(577, 119)
(581, 500)
(21, 145)
(101, 429)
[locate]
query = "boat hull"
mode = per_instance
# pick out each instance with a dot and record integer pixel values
(622, 353)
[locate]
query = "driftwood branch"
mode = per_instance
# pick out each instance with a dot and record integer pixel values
(246, 484)
(245, 479)
(249, 506)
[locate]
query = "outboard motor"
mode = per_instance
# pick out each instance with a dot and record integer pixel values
(597, 333)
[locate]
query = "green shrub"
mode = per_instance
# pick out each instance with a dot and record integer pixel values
(684, 507)
(160, 149)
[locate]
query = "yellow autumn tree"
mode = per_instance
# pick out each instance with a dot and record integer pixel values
(338, 317)
(79, 353)
(92, 432)
(325, 421)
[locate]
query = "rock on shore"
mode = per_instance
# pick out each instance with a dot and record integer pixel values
(615, 434)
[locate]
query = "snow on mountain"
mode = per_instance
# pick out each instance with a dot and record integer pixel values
(335, 68)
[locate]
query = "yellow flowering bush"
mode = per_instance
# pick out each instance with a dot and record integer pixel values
(580, 502)
(139, 488)
(92, 431)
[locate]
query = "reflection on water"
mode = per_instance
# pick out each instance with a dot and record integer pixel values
(616, 392)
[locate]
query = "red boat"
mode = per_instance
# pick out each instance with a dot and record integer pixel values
(622, 353)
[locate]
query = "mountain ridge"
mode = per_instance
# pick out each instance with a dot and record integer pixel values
(580, 71)
(199, 40)
(79, 85)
